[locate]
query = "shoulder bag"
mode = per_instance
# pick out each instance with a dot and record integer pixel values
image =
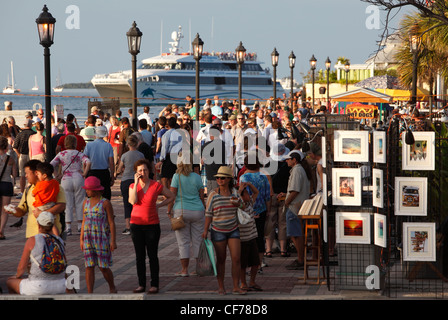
(178, 222)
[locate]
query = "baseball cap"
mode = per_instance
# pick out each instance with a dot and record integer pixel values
(101, 132)
(298, 155)
(45, 219)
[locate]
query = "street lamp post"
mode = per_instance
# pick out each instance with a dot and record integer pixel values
(198, 46)
(347, 70)
(274, 58)
(240, 56)
(414, 43)
(292, 63)
(45, 27)
(328, 66)
(134, 36)
(313, 67)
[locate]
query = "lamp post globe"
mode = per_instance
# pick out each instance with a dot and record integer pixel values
(45, 28)
(134, 36)
(328, 67)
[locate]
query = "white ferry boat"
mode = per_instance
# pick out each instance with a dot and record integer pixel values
(170, 77)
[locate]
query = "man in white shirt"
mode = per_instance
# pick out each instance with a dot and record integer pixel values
(145, 115)
(267, 128)
(203, 134)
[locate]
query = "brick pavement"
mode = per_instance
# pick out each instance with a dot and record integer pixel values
(277, 282)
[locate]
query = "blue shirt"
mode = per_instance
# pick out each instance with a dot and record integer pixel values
(216, 111)
(147, 136)
(99, 152)
(260, 182)
(190, 192)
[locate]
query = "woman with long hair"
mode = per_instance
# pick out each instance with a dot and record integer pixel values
(188, 189)
(113, 136)
(36, 143)
(221, 216)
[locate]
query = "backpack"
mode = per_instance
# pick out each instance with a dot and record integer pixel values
(53, 259)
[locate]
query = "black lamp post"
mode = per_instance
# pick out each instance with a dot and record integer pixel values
(240, 56)
(274, 59)
(414, 43)
(347, 70)
(292, 63)
(198, 46)
(134, 36)
(328, 66)
(45, 27)
(313, 67)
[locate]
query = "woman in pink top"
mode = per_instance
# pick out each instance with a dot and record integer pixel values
(145, 225)
(36, 143)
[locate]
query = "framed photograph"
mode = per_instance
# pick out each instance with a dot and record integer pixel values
(410, 196)
(324, 152)
(325, 225)
(346, 187)
(379, 230)
(419, 241)
(324, 188)
(353, 227)
(379, 146)
(351, 146)
(377, 190)
(421, 154)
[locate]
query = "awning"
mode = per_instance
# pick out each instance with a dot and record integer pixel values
(362, 95)
(405, 95)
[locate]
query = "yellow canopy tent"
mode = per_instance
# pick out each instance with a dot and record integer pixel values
(362, 95)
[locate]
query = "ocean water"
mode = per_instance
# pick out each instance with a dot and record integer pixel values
(75, 101)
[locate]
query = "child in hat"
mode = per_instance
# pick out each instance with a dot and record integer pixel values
(97, 234)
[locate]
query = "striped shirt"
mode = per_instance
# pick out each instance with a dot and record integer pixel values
(248, 231)
(222, 212)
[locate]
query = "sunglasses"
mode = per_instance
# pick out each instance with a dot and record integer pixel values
(221, 178)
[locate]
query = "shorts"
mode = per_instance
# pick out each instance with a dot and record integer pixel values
(42, 287)
(293, 224)
(217, 236)
(249, 254)
(6, 189)
(168, 168)
(23, 159)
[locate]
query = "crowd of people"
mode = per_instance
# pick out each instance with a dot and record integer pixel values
(207, 172)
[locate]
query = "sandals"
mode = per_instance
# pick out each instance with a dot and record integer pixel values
(255, 287)
(284, 254)
(268, 254)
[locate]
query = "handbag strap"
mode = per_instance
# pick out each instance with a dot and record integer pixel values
(180, 191)
(4, 167)
(73, 159)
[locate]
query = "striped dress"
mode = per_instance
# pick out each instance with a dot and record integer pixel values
(222, 212)
(96, 236)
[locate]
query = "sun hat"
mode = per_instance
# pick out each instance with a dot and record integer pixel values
(93, 183)
(279, 152)
(225, 172)
(45, 219)
(100, 132)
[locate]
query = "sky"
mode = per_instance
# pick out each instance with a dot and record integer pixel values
(90, 35)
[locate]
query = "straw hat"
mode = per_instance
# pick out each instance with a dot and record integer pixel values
(225, 172)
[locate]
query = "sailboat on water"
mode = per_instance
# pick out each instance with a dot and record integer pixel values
(10, 88)
(36, 87)
(59, 86)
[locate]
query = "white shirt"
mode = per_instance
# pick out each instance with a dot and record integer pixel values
(203, 134)
(145, 116)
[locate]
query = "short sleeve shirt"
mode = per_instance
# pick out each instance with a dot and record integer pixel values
(298, 181)
(144, 212)
(189, 188)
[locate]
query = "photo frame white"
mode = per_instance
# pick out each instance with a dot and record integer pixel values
(410, 196)
(346, 187)
(419, 241)
(379, 147)
(351, 146)
(377, 188)
(421, 154)
(324, 188)
(324, 152)
(353, 227)
(380, 230)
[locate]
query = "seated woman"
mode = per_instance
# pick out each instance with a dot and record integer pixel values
(38, 281)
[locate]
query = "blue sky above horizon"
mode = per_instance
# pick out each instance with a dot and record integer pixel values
(321, 27)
